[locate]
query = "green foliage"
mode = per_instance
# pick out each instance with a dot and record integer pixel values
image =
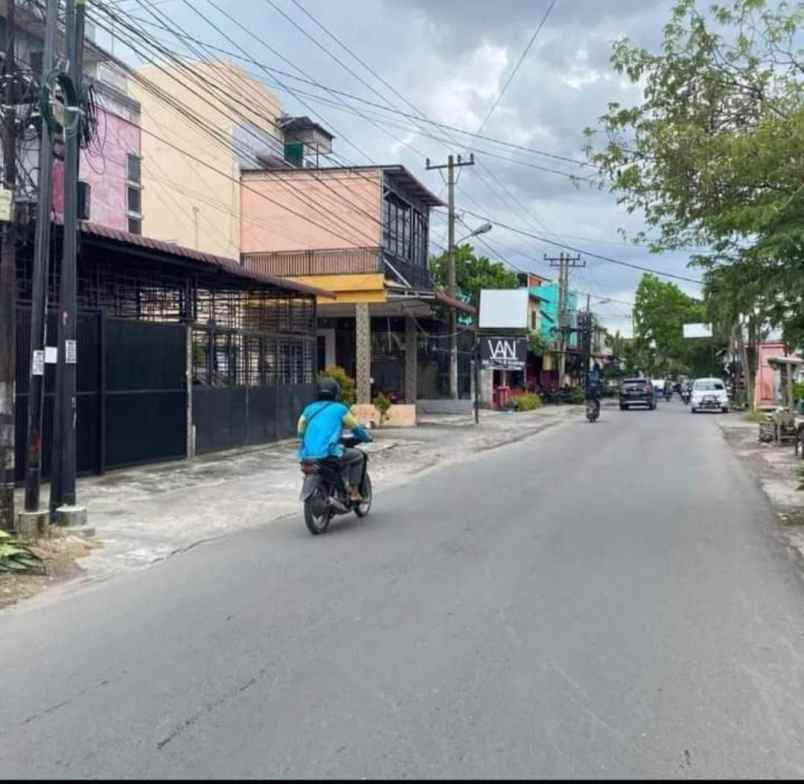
(347, 384)
(537, 344)
(659, 347)
(473, 273)
(713, 155)
(576, 395)
(382, 404)
(525, 401)
(16, 556)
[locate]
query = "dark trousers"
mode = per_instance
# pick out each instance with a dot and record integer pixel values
(352, 465)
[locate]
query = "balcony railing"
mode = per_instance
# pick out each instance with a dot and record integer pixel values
(339, 261)
(416, 276)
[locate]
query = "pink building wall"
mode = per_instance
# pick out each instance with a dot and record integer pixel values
(335, 209)
(764, 389)
(105, 167)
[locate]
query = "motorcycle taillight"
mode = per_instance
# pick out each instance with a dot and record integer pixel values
(309, 468)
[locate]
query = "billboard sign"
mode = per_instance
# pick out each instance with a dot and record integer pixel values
(697, 330)
(503, 352)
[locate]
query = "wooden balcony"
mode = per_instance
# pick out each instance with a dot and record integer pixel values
(338, 261)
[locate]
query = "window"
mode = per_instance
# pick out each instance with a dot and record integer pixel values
(134, 193)
(134, 169)
(135, 200)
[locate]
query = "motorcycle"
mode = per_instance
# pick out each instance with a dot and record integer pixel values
(668, 394)
(686, 394)
(592, 409)
(324, 492)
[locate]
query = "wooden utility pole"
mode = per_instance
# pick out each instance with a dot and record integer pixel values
(563, 262)
(8, 281)
(451, 165)
(36, 385)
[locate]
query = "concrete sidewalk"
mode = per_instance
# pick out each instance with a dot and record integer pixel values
(144, 515)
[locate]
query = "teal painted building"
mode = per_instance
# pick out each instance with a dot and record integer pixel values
(548, 295)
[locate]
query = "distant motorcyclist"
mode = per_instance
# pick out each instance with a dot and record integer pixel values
(320, 429)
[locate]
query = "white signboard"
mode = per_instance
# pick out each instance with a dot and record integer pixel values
(51, 355)
(70, 352)
(38, 363)
(503, 309)
(697, 330)
(6, 205)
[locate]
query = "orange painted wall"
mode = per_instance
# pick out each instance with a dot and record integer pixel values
(336, 209)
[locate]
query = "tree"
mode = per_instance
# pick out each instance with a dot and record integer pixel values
(660, 311)
(713, 156)
(473, 273)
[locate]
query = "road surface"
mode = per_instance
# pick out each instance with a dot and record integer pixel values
(601, 600)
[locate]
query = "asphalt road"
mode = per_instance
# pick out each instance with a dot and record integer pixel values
(601, 600)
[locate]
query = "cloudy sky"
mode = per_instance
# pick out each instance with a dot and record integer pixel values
(450, 59)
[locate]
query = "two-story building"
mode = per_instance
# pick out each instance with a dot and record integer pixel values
(362, 233)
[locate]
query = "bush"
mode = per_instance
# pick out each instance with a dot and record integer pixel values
(526, 401)
(382, 404)
(17, 557)
(576, 395)
(348, 391)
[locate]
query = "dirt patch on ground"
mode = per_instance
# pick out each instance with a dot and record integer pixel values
(59, 554)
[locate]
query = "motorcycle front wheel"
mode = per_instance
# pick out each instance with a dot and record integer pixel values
(317, 514)
(362, 509)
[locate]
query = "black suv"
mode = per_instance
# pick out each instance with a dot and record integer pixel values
(637, 392)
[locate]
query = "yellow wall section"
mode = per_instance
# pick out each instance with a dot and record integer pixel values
(349, 288)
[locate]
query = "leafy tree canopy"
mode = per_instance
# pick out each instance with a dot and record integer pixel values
(713, 155)
(473, 273)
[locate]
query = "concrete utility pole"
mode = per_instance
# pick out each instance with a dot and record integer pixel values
(36, 388)
(451, 165)
(8, 283)
(563, 262)
(63, 495)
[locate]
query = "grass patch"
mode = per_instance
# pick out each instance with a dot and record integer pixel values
(755, 416)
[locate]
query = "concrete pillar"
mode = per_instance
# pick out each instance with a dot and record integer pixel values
(411, 360)
(486, 388)
(363, 352)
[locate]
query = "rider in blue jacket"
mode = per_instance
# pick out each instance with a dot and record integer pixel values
(320, 428)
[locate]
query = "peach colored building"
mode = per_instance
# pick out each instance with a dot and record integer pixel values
(190, 178)
(360, 232)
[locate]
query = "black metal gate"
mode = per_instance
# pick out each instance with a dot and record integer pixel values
(131, 389)
(231, 417)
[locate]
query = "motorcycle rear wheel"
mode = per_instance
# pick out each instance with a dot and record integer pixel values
(317, 524)
(363, 508)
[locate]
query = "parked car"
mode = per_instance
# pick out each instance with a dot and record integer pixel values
(709, 394)
(637, 392)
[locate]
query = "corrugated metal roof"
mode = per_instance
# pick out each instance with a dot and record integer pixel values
(231, 266)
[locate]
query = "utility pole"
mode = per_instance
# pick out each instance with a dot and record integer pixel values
(8, 281)
(564, 262)
(451, 165)
(36, 388)
(587, 344)
(63, 495)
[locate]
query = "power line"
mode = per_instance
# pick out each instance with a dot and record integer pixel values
(620, 262)
(519, 63)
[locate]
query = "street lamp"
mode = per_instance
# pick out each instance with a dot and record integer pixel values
(483, 229)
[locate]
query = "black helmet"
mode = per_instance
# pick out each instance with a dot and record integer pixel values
(328, 389)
